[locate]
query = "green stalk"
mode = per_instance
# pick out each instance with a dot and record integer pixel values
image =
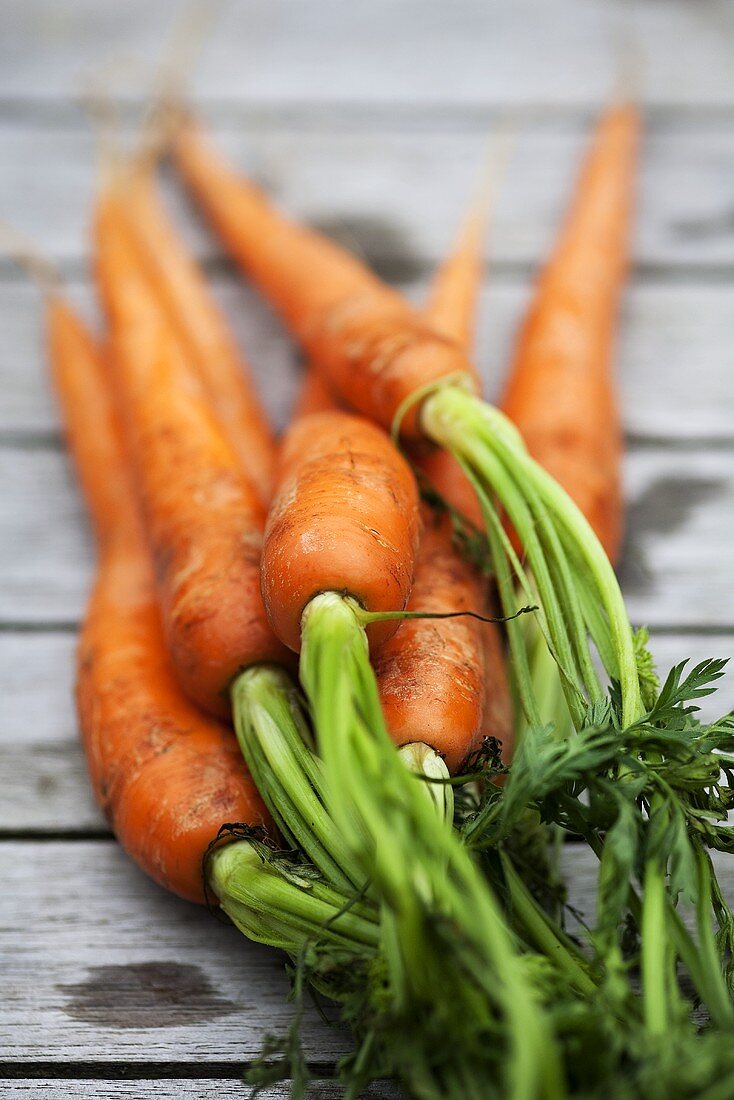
(272, 734)
(425, 763)
(430, 885)
(654, 962)
(485, 440)
(716, 993)
(275, 903)
(547, 688)
(553, 942)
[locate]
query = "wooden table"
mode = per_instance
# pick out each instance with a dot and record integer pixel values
(370, 121)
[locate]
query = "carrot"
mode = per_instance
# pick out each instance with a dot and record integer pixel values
(166, 776)
(380, 357)
(349, 322)
(344, 518)
(451, 310)
(204, 518)
(204, 522)
(453, 296)
(314, 396)
(444, 681)
(560, 391)
(431, 672)
(202, 329)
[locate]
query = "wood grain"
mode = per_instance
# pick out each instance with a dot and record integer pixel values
(398, 193)
(39, 747)
(670, 334)
(135, 975)
(172, 1088)
(676, 567)
(314, 51)
(132, 973)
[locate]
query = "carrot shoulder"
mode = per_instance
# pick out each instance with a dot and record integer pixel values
(166, 776)
(560, 391)
(203, 516)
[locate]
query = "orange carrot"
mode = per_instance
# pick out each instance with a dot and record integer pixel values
(315, 395)
(373, 348)
(453, 297)
(344, 518)
(442, 681)
(166, 776)
(560, 391)
(203, 516)
(451, 310)
(202, 329)
(467, 671)
(431, 672)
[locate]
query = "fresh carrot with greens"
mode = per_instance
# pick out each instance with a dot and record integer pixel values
(166, 776)
(201, 328)
(381, 357)
(444, 682)
(560, 391)
(204, 517)
(204, 521)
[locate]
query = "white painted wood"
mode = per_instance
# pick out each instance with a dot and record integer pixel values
(168, 1088)
(28, 404)
(104, 945)
(674, 354)
(406, 51)
(39, 746)
(677, 566)
(676, 563)
(399, 191)
(82, 913)
(371, 121)
(40, 750)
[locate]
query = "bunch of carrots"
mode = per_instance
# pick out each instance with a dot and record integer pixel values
(355, 685)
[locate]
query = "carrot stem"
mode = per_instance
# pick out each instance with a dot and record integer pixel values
(279, 903)
(559, 545)
(654, 951)
(272, 734)
(421, 868)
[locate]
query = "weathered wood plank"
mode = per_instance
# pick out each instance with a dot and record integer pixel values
(400, 193)
(472, 51)
(167, 1088)
(111, 968)
(40, 750)
(676, 568)
(39, 746)
(29, 406)
(674, 351)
